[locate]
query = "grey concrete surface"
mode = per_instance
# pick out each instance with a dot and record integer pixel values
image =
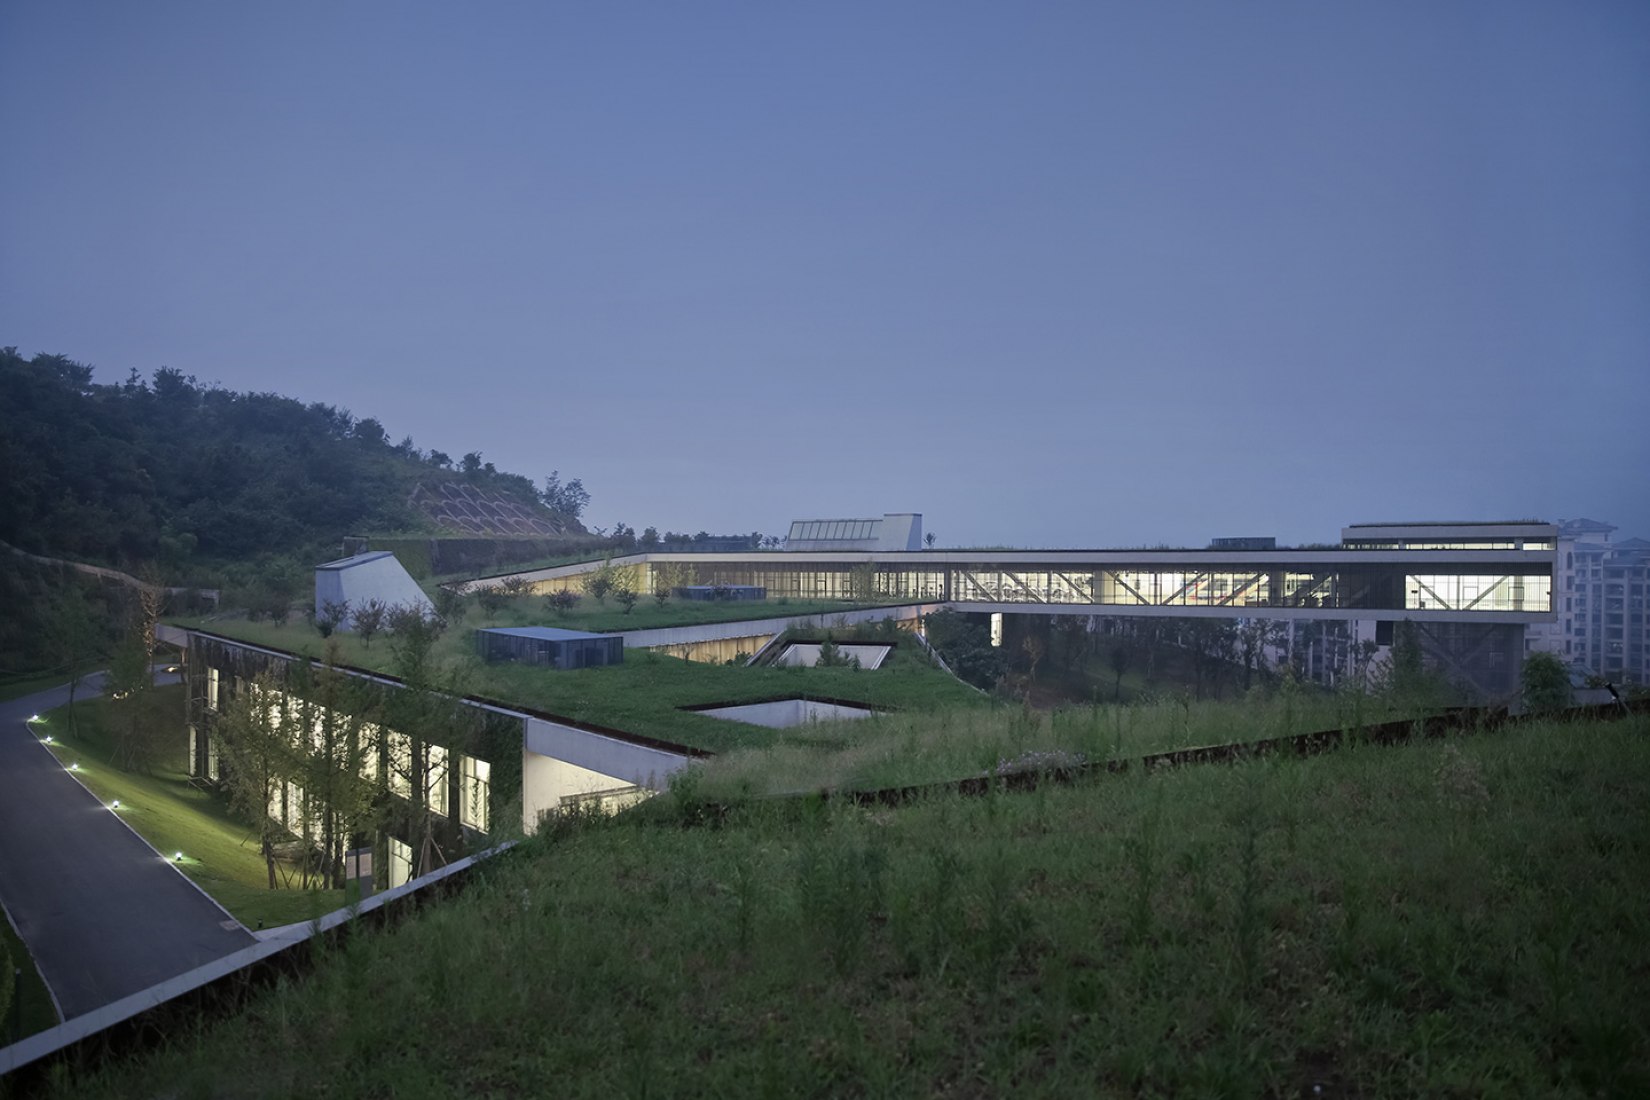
(103, 914)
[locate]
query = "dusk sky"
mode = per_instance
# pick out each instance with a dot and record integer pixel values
(1089, 274)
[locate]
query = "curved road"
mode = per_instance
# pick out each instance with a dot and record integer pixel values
(104, 915)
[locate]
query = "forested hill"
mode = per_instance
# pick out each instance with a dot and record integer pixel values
(182, 475)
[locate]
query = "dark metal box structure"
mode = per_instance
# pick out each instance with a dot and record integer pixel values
(549, 647)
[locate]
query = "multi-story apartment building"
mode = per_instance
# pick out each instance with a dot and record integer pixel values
(1600, 593)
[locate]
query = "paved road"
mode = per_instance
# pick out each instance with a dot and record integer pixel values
(103, 914)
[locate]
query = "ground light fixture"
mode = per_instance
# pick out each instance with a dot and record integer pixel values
(48, 739)
(75, 766)
(115, 805)
(178, 858)
(34, 718)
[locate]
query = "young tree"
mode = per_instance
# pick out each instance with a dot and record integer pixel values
(626, 598)
(561, 601)
(254, 738)
(72, 640)
(450, 605)
(1119, 661)
(862, 582)
(333, 614)
(422, 719)
(131, 684)
(1253, 638)
(515, 587)
(369, 619)
(492, 598)
(1406, 681)
(668, 576)
(1546, 683)
(337, 762)
(600, 582)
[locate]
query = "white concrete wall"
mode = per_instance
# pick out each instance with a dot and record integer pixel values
(706, 632)
(806, 654)
(785, 713)
(559, 760)
(381, 578)
(545, 781)
(900, 531)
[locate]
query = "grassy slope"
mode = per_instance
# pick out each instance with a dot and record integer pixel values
(219, 852)
(31, 1008)
(16, 689)
(1458, 918)
(643, 695)
(918, 747)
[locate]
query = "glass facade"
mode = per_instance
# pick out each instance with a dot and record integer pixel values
(1477, 592)
(1455, 544)
(833, 530)
(1362, 586)
(1333, 580)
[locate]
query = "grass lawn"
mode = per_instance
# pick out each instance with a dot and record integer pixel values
(31, 1008)
(14, 689)
(220, 852)
(644, 694)
(649, 614)
(1455, 918)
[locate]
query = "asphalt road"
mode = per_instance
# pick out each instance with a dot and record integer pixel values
(104, 915)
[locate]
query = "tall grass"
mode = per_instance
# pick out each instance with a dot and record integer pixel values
(912, 748)
(1443, 918)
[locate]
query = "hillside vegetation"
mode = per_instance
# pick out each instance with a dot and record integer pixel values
(172, 472)
(190, 484)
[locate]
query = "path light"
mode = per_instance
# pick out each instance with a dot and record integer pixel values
(48, 739)
(178, 858)
(34, 717)
(75, 766)
(115, 805)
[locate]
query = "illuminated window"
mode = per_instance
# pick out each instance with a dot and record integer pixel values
(435, 780)
(400, 863)
(211, 689)
(475, 780)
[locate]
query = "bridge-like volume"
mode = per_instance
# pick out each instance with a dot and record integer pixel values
(1471, 588)
(1489, 573)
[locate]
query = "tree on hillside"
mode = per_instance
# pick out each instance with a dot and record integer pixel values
(71, 638)
(569, 499)
(131, 682)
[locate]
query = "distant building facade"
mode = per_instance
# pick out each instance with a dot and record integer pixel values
(1600, 593)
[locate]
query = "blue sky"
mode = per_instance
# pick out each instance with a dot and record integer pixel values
(1052, 274)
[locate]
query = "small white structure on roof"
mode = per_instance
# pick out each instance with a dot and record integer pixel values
(375, 575)
(894, 531)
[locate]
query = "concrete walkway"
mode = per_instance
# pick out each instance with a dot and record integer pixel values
(104, 915)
